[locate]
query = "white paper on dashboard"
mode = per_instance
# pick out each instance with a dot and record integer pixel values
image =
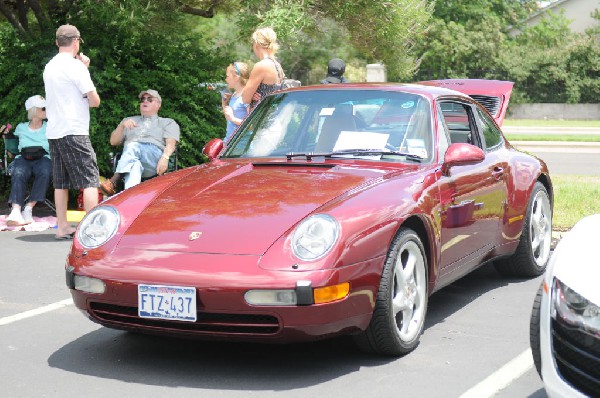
(326, 112)
(360, 140)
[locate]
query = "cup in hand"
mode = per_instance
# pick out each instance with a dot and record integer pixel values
(225, 95)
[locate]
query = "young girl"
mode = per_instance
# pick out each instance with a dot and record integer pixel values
(236, 76)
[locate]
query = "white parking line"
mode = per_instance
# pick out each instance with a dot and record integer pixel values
(34, 312)
(502, 377)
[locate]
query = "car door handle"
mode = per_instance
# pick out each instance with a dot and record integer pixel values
(498, 172)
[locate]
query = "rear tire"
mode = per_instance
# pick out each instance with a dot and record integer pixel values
(533, 251)
(399, 315)
(534, 331)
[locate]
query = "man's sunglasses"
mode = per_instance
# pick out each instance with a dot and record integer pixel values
(74, 38)
(148, 99)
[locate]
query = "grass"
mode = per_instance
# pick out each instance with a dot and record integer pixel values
(554, 137)
(575, 197)
(551, 123)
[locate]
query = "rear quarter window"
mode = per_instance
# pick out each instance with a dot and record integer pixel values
(491, 134)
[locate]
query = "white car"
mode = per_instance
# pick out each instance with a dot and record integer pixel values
(565, 321)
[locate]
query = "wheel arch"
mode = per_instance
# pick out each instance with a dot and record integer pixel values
(544, 179)
(419, 225)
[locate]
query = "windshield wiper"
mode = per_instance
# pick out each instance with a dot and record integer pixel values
(357, 152)
(307, 155)
(362, 152)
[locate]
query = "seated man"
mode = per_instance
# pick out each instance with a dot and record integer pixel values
(149, 141)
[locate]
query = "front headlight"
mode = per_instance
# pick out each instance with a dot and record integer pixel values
(98, 226)
(574, 309)
(314, 237)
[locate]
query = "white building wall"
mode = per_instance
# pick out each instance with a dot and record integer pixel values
(579, 12)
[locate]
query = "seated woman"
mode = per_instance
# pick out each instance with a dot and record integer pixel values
(33, 160)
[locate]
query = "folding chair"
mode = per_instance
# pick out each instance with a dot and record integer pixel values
(114, 159)
(11, 149)
(173, 163)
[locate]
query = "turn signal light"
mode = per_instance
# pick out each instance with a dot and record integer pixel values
(328, 294)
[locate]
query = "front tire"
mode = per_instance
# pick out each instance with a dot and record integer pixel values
(533, 252)
(399, 315)
(534, 331)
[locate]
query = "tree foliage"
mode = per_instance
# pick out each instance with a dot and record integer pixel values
(547, 61)
(463, 11)
(382, 31)
(129, 52)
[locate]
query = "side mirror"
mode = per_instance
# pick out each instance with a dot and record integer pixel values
(212, 148)
(461, 154)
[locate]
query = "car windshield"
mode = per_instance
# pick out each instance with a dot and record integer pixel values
(350, 123)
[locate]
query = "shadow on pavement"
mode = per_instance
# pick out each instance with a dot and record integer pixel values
(457, 295)
(171, 362)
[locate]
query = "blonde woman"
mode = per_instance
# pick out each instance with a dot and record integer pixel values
(267, 75)
(236, 76)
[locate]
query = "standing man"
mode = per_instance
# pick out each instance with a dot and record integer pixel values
(149, 141)
(70, 93)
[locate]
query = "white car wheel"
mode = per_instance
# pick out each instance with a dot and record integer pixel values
(401, 306)
(533, 252)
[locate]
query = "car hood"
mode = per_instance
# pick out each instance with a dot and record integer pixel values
(239, 207)
(576, 262)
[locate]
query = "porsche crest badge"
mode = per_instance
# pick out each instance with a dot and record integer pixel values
(195, 235)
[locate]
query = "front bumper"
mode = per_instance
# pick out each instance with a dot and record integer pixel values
(222, 312)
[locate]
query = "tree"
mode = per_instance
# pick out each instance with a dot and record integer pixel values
(463, 11)
(129, 52)
(550, 63)
(547, 61)
(382, 31)
(466, 38)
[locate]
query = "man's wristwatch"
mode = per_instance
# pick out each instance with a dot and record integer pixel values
(164, 156)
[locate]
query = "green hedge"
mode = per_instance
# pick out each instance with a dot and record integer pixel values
(130, 50)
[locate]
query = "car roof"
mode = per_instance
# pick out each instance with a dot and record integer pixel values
(429, 91)
(493, 95)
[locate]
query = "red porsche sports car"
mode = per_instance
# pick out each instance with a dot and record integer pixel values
(334, 209)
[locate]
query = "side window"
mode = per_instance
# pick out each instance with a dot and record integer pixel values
(444, 138)
(461, 122)
(491, 134)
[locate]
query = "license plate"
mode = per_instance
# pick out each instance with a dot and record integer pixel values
(167, 302)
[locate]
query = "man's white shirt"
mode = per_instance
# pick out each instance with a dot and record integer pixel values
(67, 80)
